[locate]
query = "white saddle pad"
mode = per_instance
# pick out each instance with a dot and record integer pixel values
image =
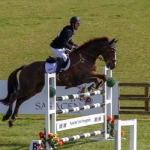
(51, 68)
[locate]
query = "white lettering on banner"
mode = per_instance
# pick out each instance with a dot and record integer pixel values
(40, 106)
(80, 121)
(74, 122)
(84, 121)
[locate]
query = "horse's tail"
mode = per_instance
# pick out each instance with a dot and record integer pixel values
(12, 85)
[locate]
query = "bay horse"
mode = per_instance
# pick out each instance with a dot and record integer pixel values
(82, 70)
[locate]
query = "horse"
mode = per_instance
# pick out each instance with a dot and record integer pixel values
(82, 70)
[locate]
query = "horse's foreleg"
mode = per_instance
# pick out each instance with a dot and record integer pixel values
(89, 79)
(98, 79)
(100, 76)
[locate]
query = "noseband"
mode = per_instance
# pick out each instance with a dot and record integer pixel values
(109, 60)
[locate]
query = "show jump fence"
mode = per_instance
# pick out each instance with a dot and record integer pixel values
(101, 117)
(133, 133)
(145, 97)
(80, 121)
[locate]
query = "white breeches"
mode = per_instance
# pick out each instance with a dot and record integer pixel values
(59, 52)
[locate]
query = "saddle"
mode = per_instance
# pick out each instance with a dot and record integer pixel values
(52, 59)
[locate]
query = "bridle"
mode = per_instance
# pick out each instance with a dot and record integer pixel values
(108, 60)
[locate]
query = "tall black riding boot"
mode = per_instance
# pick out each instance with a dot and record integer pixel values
(59, 65)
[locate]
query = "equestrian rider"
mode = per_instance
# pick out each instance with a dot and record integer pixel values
(64, 42)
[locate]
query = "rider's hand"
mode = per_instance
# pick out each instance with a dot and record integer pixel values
(67, 51)
(75, 46)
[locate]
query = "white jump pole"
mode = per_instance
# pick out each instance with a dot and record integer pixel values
(107, 99)
(108, 95)
(133, 133)
(50, 81)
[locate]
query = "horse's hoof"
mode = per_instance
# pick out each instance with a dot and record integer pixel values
(6, 117)
(10, 124)
(99, 85)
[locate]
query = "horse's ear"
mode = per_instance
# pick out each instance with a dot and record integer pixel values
(116, 41)
(112, 41)
(111, 44)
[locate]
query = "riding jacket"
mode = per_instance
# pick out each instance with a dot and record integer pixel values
(64, 38)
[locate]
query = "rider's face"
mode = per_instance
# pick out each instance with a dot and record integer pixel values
(76, 26)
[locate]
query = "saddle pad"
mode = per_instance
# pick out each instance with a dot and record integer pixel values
(51, 67)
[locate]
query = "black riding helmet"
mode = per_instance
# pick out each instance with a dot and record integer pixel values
(75, 19)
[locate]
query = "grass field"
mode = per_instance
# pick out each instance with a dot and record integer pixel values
(26, 29)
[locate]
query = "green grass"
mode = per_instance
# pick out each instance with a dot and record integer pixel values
(28, 27)
(27, 128)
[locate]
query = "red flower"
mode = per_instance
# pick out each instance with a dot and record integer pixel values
(113, 121)
(37, 145)
(63, 142)
(41, 135)
(42, 145)
(50, 135)
(110, 119)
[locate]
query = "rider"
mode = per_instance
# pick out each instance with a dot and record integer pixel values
(63, 42)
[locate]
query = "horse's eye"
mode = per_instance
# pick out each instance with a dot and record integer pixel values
(112, 50)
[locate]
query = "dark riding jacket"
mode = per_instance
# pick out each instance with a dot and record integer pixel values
(64, 38)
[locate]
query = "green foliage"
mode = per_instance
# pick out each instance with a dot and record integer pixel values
(53, 141)
(52, 92)
(111, 82)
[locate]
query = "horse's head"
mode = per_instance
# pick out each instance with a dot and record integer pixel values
(110, 54)
(99, 46)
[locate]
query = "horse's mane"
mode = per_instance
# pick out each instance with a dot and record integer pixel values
(85, 44)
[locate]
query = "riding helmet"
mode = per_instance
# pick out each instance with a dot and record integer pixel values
(75, 19)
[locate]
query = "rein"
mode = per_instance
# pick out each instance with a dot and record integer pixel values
(100, 58)
(82, 60)
(88, 54)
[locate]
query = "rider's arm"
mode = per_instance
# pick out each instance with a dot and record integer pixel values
(66, 39)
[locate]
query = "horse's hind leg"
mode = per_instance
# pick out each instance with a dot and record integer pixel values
(13, 97)
(20, 101)
(15, 114)
(9, 111)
